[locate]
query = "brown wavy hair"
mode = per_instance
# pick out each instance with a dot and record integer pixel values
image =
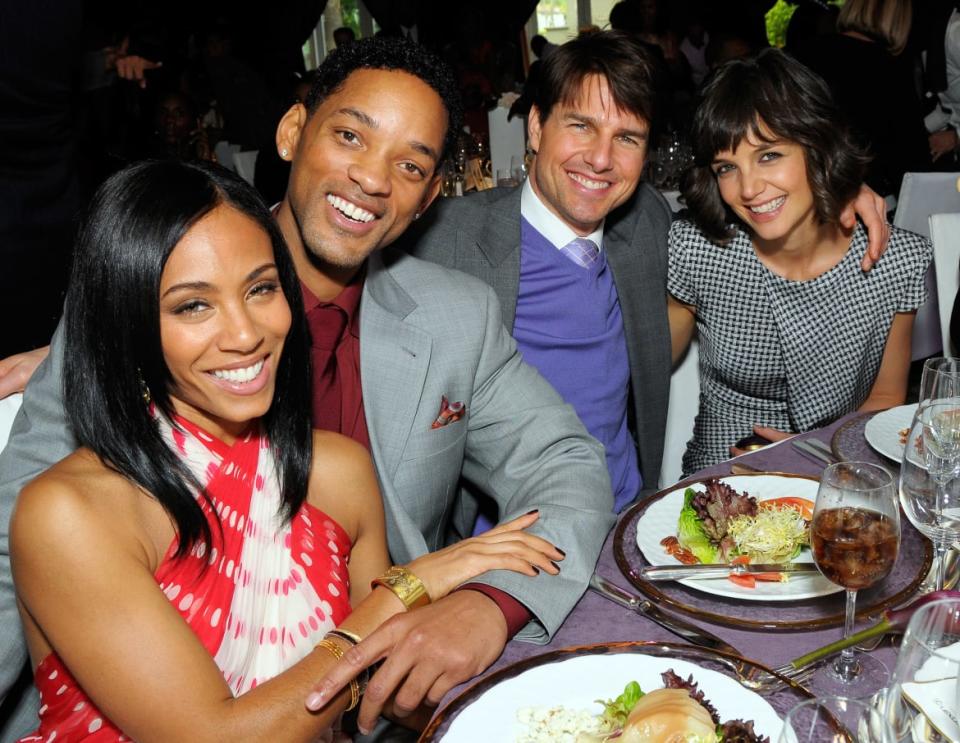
(768, 94)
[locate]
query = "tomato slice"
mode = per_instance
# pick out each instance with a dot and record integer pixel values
(803, 505)
(740, 560)
(768, 577)
(744, 581)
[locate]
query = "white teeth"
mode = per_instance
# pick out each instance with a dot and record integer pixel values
(595, 185)
(769, 206)
(240, 376)
(351, 210)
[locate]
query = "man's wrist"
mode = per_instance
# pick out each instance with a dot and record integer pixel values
(515, 614)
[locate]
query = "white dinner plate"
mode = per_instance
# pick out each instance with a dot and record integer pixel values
(577, 682)
(660, 520)
(883, 430)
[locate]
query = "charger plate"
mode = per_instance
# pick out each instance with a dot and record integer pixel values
(575, 677)
(913, 564)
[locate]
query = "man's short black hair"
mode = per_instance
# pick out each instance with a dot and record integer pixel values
(384, 53)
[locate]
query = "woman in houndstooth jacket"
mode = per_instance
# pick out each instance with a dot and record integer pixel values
(792, 333)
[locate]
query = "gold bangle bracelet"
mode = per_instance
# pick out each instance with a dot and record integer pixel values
(346, 635)
(405, 586)
(337, 652)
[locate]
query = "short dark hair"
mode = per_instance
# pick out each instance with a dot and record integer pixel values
(387, 53)
(620, 58)
(133, 223)
(774, 91)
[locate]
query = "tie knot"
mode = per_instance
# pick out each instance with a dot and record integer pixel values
(582, 251)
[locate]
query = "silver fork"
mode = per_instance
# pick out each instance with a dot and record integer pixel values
(750, 677)
(821, 455)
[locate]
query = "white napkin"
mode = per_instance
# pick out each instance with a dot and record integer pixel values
(934, 691)
(8, 411)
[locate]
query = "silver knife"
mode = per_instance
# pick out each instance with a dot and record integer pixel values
(680, 627)
(720, 570)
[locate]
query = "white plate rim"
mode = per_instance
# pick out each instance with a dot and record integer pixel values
(882, 430)
(769, 722)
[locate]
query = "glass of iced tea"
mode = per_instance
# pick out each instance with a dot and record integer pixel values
(855, 536)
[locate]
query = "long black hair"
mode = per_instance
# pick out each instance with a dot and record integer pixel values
(113, 343)
(794, 104)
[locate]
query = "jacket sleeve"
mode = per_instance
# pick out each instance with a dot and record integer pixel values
(40, 437)
(527, 449)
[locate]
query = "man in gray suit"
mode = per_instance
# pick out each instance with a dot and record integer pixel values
(422, 371)
(589, 127)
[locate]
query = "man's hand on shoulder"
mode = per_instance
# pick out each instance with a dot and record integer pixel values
(428, 651)
(872, 210)
(16, 370)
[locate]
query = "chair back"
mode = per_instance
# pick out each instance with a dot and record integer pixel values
(945, 233)
(923, 194)
(683, 406)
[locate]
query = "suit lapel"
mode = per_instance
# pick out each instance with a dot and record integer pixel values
(498, 239)
(394, 358)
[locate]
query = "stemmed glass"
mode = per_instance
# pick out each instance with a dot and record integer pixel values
(929, 483)
(923, 702)
(855, 537)
(940, 378)
(835, 719)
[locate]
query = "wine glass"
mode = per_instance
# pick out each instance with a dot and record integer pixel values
(929, 482)
(835, 718)
(855, 536)
(940, 378)
(923, 702)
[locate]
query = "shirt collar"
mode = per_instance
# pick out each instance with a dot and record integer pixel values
(347, 300)
(549, 224)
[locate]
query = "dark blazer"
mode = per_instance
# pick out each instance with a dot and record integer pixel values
(480, 235)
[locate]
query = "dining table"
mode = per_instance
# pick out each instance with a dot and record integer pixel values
(595, 619)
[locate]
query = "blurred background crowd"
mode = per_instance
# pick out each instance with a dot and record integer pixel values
(88, 87)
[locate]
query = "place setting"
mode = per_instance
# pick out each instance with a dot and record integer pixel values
(766, 552)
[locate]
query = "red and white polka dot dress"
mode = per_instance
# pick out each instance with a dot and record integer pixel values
(259, 599)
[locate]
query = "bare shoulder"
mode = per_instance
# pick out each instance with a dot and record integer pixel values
(342, 479)
(77, 502)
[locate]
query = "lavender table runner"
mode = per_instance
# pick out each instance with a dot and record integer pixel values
(594, 619)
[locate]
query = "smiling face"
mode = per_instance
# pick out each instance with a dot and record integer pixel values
(766, 185)
(223, 322)
(589, 156)
(364, 163)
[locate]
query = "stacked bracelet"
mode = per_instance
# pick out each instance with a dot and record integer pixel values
(405, 585)
(352, 639)
(337, 652)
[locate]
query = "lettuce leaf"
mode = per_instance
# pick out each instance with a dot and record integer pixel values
(691, 534)
(616, 711)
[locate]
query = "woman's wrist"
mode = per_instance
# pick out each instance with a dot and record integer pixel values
(405, 585)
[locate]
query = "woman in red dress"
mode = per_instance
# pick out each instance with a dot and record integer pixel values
(180, 574)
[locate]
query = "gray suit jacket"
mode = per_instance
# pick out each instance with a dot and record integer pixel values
(480, 234)
(425, 332)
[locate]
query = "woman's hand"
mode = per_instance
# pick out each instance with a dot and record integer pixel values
(771, 434)
(505, 547)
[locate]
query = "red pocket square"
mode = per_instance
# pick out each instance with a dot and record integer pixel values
(449, 412)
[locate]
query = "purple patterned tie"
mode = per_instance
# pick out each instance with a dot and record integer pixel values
(581, 251)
